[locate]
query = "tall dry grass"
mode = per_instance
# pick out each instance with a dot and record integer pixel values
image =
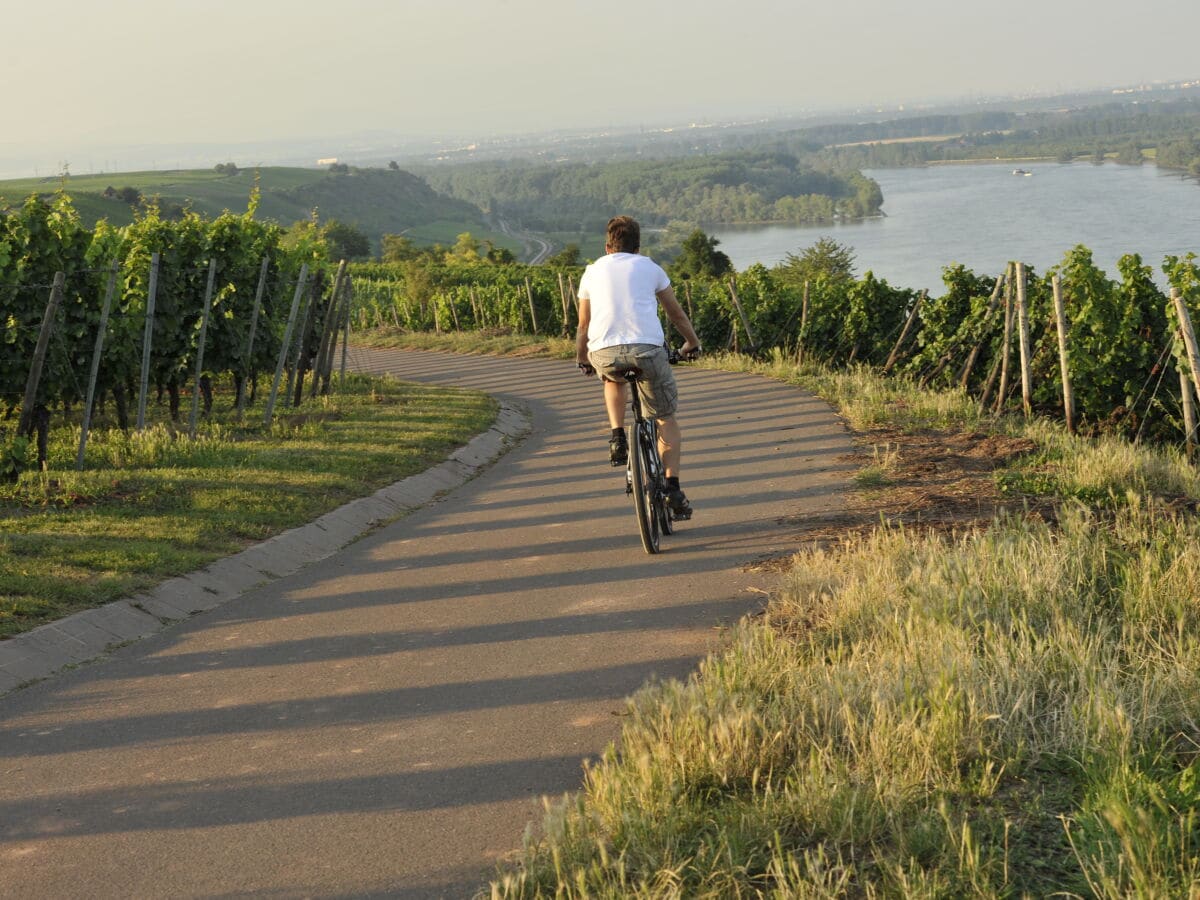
(1013, 712)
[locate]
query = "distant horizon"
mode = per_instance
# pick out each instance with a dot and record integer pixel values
(141, 84)
(304, 151)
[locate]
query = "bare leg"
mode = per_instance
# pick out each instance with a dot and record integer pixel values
(615, 403)
(670, 442)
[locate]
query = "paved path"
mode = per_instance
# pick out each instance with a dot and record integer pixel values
(385, 721)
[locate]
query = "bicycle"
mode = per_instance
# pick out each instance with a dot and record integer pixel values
(645, 475)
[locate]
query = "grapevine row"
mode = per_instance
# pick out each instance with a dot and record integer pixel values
(45, 237)
(1122, 332)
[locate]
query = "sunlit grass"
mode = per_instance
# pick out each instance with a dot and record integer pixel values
(152, 505)
(1013, 713)
(488, 342)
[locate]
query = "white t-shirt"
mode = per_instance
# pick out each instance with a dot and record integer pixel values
(623, 289)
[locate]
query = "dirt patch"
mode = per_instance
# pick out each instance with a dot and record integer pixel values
(941, 481)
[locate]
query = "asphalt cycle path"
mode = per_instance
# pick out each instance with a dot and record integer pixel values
(386, 722)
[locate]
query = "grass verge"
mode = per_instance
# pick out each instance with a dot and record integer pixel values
(1009, 707)
(153, 505)
(1014, 712)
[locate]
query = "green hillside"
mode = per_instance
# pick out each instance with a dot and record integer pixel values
(378, 201)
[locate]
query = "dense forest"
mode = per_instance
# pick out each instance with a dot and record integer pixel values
(726, 188)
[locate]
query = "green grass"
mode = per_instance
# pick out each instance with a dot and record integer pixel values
(1011, 712)
(153, 505)
(486, 342)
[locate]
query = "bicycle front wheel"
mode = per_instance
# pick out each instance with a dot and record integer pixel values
(644, 490)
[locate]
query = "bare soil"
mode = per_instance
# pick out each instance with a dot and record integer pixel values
(939, 481)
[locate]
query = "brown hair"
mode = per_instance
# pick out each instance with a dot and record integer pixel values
(624, 235)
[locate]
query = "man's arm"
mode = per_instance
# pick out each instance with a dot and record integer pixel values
(678, 318)
(581, 334)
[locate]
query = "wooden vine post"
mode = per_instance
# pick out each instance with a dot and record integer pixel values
(204, 313)
(349, 289)
(1006, 348)
(566, 314)
(97, 353)
(329, 325)
(1023, 327)
(25, 423)
(1189, 336)
(303, 325)
(284, 345)
(475, 309)
(147, 340)
(803, 325)
(247, 355)
(993, 302)
(737, 302)
(1060, 321)
(908, 324)
(1189, 411)
(532, 311)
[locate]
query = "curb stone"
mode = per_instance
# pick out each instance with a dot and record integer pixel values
(85, 636)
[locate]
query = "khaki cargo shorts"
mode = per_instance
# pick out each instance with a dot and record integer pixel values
(660, 396)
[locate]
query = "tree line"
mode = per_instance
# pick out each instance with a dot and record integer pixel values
(725, 188)
(1167, 131)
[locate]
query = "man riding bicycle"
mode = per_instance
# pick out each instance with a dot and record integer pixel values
(619, 296)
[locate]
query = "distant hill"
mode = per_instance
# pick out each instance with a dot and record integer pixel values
(378, 201)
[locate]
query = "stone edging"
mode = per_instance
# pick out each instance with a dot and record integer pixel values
(81, 637)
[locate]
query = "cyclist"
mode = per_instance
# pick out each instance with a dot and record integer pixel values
(619, 296)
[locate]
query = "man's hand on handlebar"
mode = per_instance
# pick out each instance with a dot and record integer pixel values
(689, 351)
(586, 368)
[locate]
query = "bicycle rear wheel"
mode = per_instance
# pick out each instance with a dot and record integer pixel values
(659, 477)
(649, 525)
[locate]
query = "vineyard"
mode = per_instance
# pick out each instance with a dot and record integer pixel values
(116, 324)
(1116, 348)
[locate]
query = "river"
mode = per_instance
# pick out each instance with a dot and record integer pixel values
(982, 215)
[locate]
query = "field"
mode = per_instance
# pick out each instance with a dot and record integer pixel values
(377, 201)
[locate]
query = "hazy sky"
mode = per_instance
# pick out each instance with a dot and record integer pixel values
(80, 74)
